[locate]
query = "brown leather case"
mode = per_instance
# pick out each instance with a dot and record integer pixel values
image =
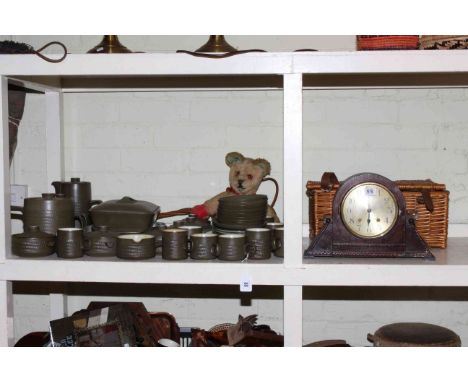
(150, 327)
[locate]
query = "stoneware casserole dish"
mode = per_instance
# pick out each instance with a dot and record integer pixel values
(126, 215)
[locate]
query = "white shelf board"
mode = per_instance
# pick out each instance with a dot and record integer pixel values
(152, 271)
(139, 64)
(151, 71)
(390, 61)
(450, 268)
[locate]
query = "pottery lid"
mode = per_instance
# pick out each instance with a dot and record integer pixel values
(72, 181)
(101, 231)
(51, 196)
(76, 181)
(33, 232)
(126, 205)
(416, 334)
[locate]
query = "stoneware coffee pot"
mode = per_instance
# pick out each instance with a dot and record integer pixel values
(80, 194)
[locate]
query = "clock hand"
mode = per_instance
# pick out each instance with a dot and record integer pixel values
(368, 211)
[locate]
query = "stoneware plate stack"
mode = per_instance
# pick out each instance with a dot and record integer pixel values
(237, 213)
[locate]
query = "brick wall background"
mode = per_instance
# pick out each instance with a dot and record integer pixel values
(169, 148)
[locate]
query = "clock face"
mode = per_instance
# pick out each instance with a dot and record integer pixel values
(369, 210)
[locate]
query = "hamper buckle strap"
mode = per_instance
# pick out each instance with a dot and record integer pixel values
(426, 200)
(328, 180)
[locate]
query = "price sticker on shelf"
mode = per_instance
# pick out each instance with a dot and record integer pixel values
(246, 283)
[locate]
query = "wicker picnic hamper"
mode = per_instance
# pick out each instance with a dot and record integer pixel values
(429, 200)
(443, 42)
(387, 42)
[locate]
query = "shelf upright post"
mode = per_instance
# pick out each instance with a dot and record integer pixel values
(6, 288)
(5, 238)
(54, 136)
(7, 335)
(293, 190)
(55, 171)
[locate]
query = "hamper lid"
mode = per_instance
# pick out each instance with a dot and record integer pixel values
(418, 185)
(331, 183)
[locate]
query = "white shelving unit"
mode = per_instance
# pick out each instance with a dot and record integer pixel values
(290, 72)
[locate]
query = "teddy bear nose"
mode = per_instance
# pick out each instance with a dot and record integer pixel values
(240, 181)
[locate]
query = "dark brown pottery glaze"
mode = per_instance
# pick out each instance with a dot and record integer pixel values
(192, 220)
(241, 212)
(231, 247)
(271, 226)
(178, 223)
(33, 243)
(408, 334)
(258, 243)
(203, 246)
(157, 233)
(191, 229)
(125, 215)
(100, 243)
(136, 246)
(70, 243)
(49, 212)
(80, 194)
(175, 244)
(278, 247)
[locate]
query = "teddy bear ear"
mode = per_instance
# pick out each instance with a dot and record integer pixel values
(264, 165)
(233, 158)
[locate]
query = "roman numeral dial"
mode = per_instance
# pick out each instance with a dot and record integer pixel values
(369, 210)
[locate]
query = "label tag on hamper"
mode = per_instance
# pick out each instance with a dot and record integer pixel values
(246, 283)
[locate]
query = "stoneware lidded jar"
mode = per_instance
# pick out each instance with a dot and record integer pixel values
(49, 212)
(100, 243)
(33, 243)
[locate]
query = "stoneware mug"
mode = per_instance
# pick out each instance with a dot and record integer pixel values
(191, 229)
(175, 244)
(258, 243)
(69, 243)
(273, 225)
(231, 247)
(203, 246)
(278, 247)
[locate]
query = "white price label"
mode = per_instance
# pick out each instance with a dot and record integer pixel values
(246, 283)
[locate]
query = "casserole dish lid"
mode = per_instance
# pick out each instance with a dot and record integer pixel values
(126, 205)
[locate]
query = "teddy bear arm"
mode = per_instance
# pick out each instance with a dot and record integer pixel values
(212, 204)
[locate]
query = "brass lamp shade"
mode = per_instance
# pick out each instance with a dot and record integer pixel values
(216, 44)
(110, 44)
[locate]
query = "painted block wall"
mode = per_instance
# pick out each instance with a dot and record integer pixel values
(169, 148)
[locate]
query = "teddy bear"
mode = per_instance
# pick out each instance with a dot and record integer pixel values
(245, 177)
